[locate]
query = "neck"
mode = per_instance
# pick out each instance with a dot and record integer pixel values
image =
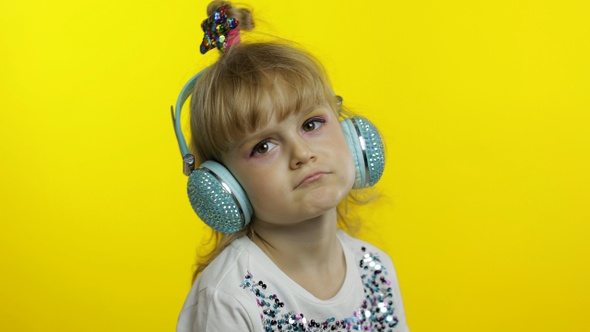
(310, 242)
(308, 252)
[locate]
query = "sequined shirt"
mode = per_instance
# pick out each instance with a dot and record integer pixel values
(243, 290)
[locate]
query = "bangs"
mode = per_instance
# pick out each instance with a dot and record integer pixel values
(279, 95)
(231, 101)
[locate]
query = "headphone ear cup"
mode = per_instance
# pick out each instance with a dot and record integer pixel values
(355, 149)
(218, 199)
(366, 146)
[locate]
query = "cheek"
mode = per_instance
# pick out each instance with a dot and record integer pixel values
(259, 186)
(256, 189)
(344, 159)
(350, 167)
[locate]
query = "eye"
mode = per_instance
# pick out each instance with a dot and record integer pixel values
(312, 124)
(263, 147)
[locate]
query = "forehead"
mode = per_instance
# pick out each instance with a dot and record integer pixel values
(272, 102)
(275, 123)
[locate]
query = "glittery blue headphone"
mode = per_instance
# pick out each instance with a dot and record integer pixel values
(220, 201)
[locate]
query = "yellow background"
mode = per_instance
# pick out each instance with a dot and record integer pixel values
(483, 104)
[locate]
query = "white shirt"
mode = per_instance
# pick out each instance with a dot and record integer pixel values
(243, 290)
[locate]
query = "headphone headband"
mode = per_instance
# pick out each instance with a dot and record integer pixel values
(188, 160)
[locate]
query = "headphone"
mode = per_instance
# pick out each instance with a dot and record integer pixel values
(220, 201)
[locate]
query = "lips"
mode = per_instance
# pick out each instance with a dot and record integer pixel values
(311, 178)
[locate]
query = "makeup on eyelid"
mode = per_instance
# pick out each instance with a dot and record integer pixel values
(316, 121)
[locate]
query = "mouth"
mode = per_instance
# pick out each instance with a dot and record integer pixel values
(311, 178)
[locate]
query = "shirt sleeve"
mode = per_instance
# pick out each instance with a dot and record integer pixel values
(215, 311)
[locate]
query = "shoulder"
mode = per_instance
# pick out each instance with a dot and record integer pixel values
(377, 269)
(367, 255)
(213, 310)
(223, 269)
(216, 302)
(360, 248)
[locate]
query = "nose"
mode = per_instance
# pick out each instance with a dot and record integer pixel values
(301, 153)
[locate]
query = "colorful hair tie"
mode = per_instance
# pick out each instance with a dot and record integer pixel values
(219, 31)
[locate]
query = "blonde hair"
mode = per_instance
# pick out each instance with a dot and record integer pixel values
(243, 15)
(250, 83)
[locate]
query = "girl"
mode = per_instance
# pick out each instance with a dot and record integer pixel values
(277, 167)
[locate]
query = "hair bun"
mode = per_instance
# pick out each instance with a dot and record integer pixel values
(243, 15)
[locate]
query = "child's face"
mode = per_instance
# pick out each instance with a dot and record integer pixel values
(295, 169)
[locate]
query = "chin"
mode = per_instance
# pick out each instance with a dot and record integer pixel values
(324, 199)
